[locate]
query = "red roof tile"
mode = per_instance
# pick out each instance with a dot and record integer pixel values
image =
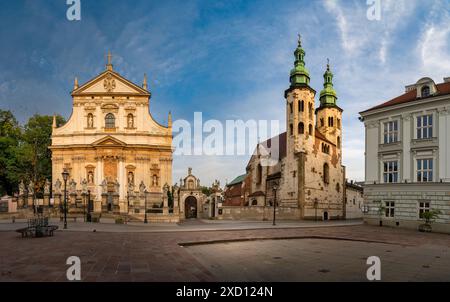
(410, 96)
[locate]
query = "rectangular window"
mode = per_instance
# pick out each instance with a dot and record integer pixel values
(390, 171)
(391, 132)
(425, 170)
(390, 209)
(424, 206)
(425, 126)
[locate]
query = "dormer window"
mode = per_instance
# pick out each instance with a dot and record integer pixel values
(425, 91)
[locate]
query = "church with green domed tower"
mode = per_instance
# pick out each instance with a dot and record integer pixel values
(308, 174)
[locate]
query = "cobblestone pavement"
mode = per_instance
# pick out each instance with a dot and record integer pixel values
(208, 256)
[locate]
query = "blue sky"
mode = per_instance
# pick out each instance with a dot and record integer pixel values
(227, 59)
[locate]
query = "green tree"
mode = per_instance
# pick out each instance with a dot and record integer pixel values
(36, 140)
(10, 136)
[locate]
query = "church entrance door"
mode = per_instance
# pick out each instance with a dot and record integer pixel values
(190, 207)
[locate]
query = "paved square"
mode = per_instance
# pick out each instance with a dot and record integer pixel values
(282, 254)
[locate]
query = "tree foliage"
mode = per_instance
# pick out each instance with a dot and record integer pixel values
(24, 152)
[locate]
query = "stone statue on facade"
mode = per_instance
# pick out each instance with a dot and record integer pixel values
(90, 177)
(22, 188)
(130, 178)
(72, 187)
(166, 189)
(47, 187)
(130, 121)
(117, 186)
(58, 186)
(104, 186)
(130, 188)
(142, 188)
(90, 121)
(84, 185)
(31, 188)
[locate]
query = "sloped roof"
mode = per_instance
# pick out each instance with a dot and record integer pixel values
(237, 180)
(410, 96)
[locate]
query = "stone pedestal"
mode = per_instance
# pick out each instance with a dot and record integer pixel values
(30, 201)
(21, 201)
(57, 200)
(104, 203)
(116, 207)
(97, 206)
(165, 205)
(46, 200)
(176, 209)
(72, 202)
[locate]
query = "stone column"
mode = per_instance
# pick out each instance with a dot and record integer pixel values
(121, 179)
(98, 178)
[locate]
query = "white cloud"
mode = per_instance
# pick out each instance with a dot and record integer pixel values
(435, 43)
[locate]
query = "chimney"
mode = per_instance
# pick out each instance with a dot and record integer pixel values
(410, 88)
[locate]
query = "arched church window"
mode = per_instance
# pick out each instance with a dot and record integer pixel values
(301, 106)
(110, 121)
(290, 108)
(301, 128)
(338, 142)
(338, 187)
(310, 129)
(90, 120)
(326, 173)
(425, 91)
(321, 122)
(291, 129)
(130, 121)
(330, 122)
(259, 174)
(339, 123)
(310, 110)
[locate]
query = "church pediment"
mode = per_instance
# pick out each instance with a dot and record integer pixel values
(109, 141)
(109, 82)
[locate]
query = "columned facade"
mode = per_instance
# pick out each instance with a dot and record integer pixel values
(111, 145)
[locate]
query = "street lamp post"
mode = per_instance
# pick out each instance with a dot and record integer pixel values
(145, 206)
(65, 175)
(316, 204)
(274, 203)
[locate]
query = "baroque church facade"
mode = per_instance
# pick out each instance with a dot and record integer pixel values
(111, 145)
(307, 178)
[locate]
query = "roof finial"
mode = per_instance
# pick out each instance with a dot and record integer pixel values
(144, 84)
(299, 40)
(170, 120)
(75, 83)
(109, 59)
(328, 64)
(54, 121)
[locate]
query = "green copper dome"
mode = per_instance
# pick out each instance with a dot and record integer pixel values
(299, 75)
(328, 95)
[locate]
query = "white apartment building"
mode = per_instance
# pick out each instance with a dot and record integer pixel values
(407, 157)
